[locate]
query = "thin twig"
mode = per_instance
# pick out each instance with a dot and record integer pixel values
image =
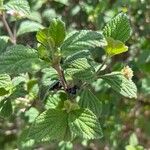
(102, 65)
(10, 33)
(61, 76)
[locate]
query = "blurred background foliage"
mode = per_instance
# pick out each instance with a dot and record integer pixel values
(125, 123)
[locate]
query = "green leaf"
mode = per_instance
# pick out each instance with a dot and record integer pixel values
(44, 53)
(115, 47)
(57, 31)
(1, 4)
(80, 69)
(77, 55)
(53, 36)
(23, 142)
(28, 26)
(5, 84)
(64, 2)
(5, 108)
(45, 39)
(121, 84)
(133, 140)
(63, 145)
(82, 40)
(32, 113)
(130, 147)
(143, 61)
(19, 59)
(50, 125)
(5, 81)
(3, 43)
(85, 124)
(118, 28)
(56, 101)
(48, 80)
(18, 8)
(90, 101)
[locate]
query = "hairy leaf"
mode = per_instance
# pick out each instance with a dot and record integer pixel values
(18, 8)
(56, 101)
(50, 125)
(121, 84)
(3, 43)
(28, 26)
(118, 28)
(24, 142)
(57, 31)
(115, 47)
(53, 36)
(19, 59)
(5, 81)
(85, 124)
(80, 69)
(5, 108)
(82, 40)
(90, 101)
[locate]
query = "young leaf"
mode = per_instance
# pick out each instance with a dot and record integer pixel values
(3, 43)
(50, 125)
(118, 28)
(115, 47)
(19, 59)
(24, 142)
(82, 40)
(85, 124)
(56, 101)
(80, 69)
(5, 81)
(121, 84)
(28, 26)
(18, 8)
(90, 101)
(57, 31)
(6, 108)
(32, 113)
(46, 40)
(133, 140)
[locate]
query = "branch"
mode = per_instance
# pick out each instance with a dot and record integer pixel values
(104, 62)
(61, 76)
(12, 39)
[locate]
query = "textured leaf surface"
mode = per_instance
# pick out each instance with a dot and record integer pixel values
(5, 81)
(5, 108)
(115, 47)
(56, 100)
(19, 6)
(90, 101)
(3, 43)
(19, 59)
(118, 28)
(48, 81)
(57, 31)
(80, 69)
(85, 124)
(82, 40)
(50, 125)
(28, 26)
(121, 84)
(44, 38)
(53, 36)
(24, 142)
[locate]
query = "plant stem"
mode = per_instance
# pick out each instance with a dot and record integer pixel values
(104, 62)
(10, 33)
(61, 75)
